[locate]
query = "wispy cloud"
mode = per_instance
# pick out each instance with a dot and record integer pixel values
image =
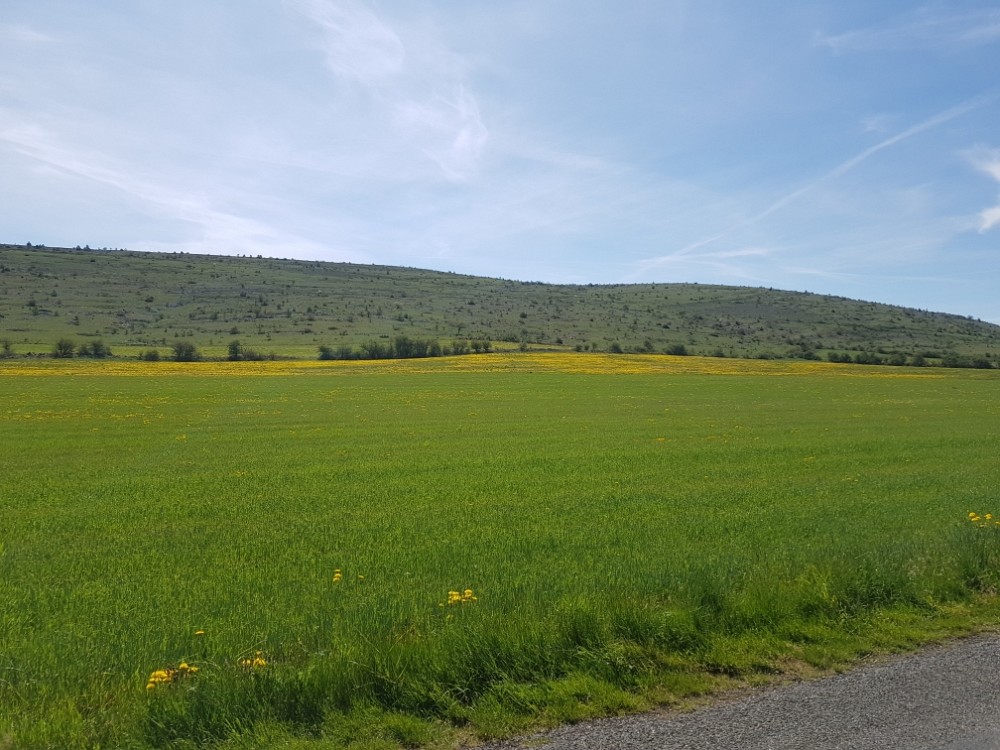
(416, 84)
(216, 230)
(927, 28)
(24, 34)
(990, 218)
(744, 252)
(988, 161)
(879, 123)
(356, 44)
(450, 128)
(744, 265)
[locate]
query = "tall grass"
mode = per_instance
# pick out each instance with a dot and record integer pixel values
(625, 537)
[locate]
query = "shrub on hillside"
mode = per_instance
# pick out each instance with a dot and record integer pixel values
(96, 348)
(64, 349)
(185, 351)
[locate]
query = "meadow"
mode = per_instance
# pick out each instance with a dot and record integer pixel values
(392, 554)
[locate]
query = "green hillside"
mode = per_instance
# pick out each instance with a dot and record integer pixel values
(134, 302)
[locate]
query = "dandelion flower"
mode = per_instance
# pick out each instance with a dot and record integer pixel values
(257, 662)
(461, 597)
(170, 674)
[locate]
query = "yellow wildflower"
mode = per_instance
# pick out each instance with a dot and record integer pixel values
(461, 597)
(170, 674)
(257, 662)
(160, 677)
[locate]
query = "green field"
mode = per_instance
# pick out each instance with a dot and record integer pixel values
(633, 530)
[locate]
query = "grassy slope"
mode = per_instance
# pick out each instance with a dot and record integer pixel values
(135, 301)
(635, 529)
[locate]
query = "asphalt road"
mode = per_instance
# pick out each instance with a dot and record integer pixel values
(943, 698)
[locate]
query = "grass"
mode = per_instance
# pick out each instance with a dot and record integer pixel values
(139, 301)
(635, 531)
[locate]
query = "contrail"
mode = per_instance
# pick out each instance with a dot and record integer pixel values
(847, 166)
(841, 169)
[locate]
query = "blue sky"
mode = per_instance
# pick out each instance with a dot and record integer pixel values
(850, 148)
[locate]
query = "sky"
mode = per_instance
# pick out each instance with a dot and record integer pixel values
(847, 147)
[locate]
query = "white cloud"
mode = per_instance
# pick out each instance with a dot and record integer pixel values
(987, 160)
(418, 87)
(989, 218)
(451, 130)
(876, 123)
(356, 44)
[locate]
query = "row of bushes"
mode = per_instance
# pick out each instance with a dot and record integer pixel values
(185, 351)
(65, 348)
(403, 347)
(916, 360)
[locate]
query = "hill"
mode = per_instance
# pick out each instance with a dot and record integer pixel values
(135, 301)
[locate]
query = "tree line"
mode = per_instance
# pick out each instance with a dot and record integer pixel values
(404, 347)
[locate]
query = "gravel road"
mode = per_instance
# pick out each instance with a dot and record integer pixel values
(943, 698)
